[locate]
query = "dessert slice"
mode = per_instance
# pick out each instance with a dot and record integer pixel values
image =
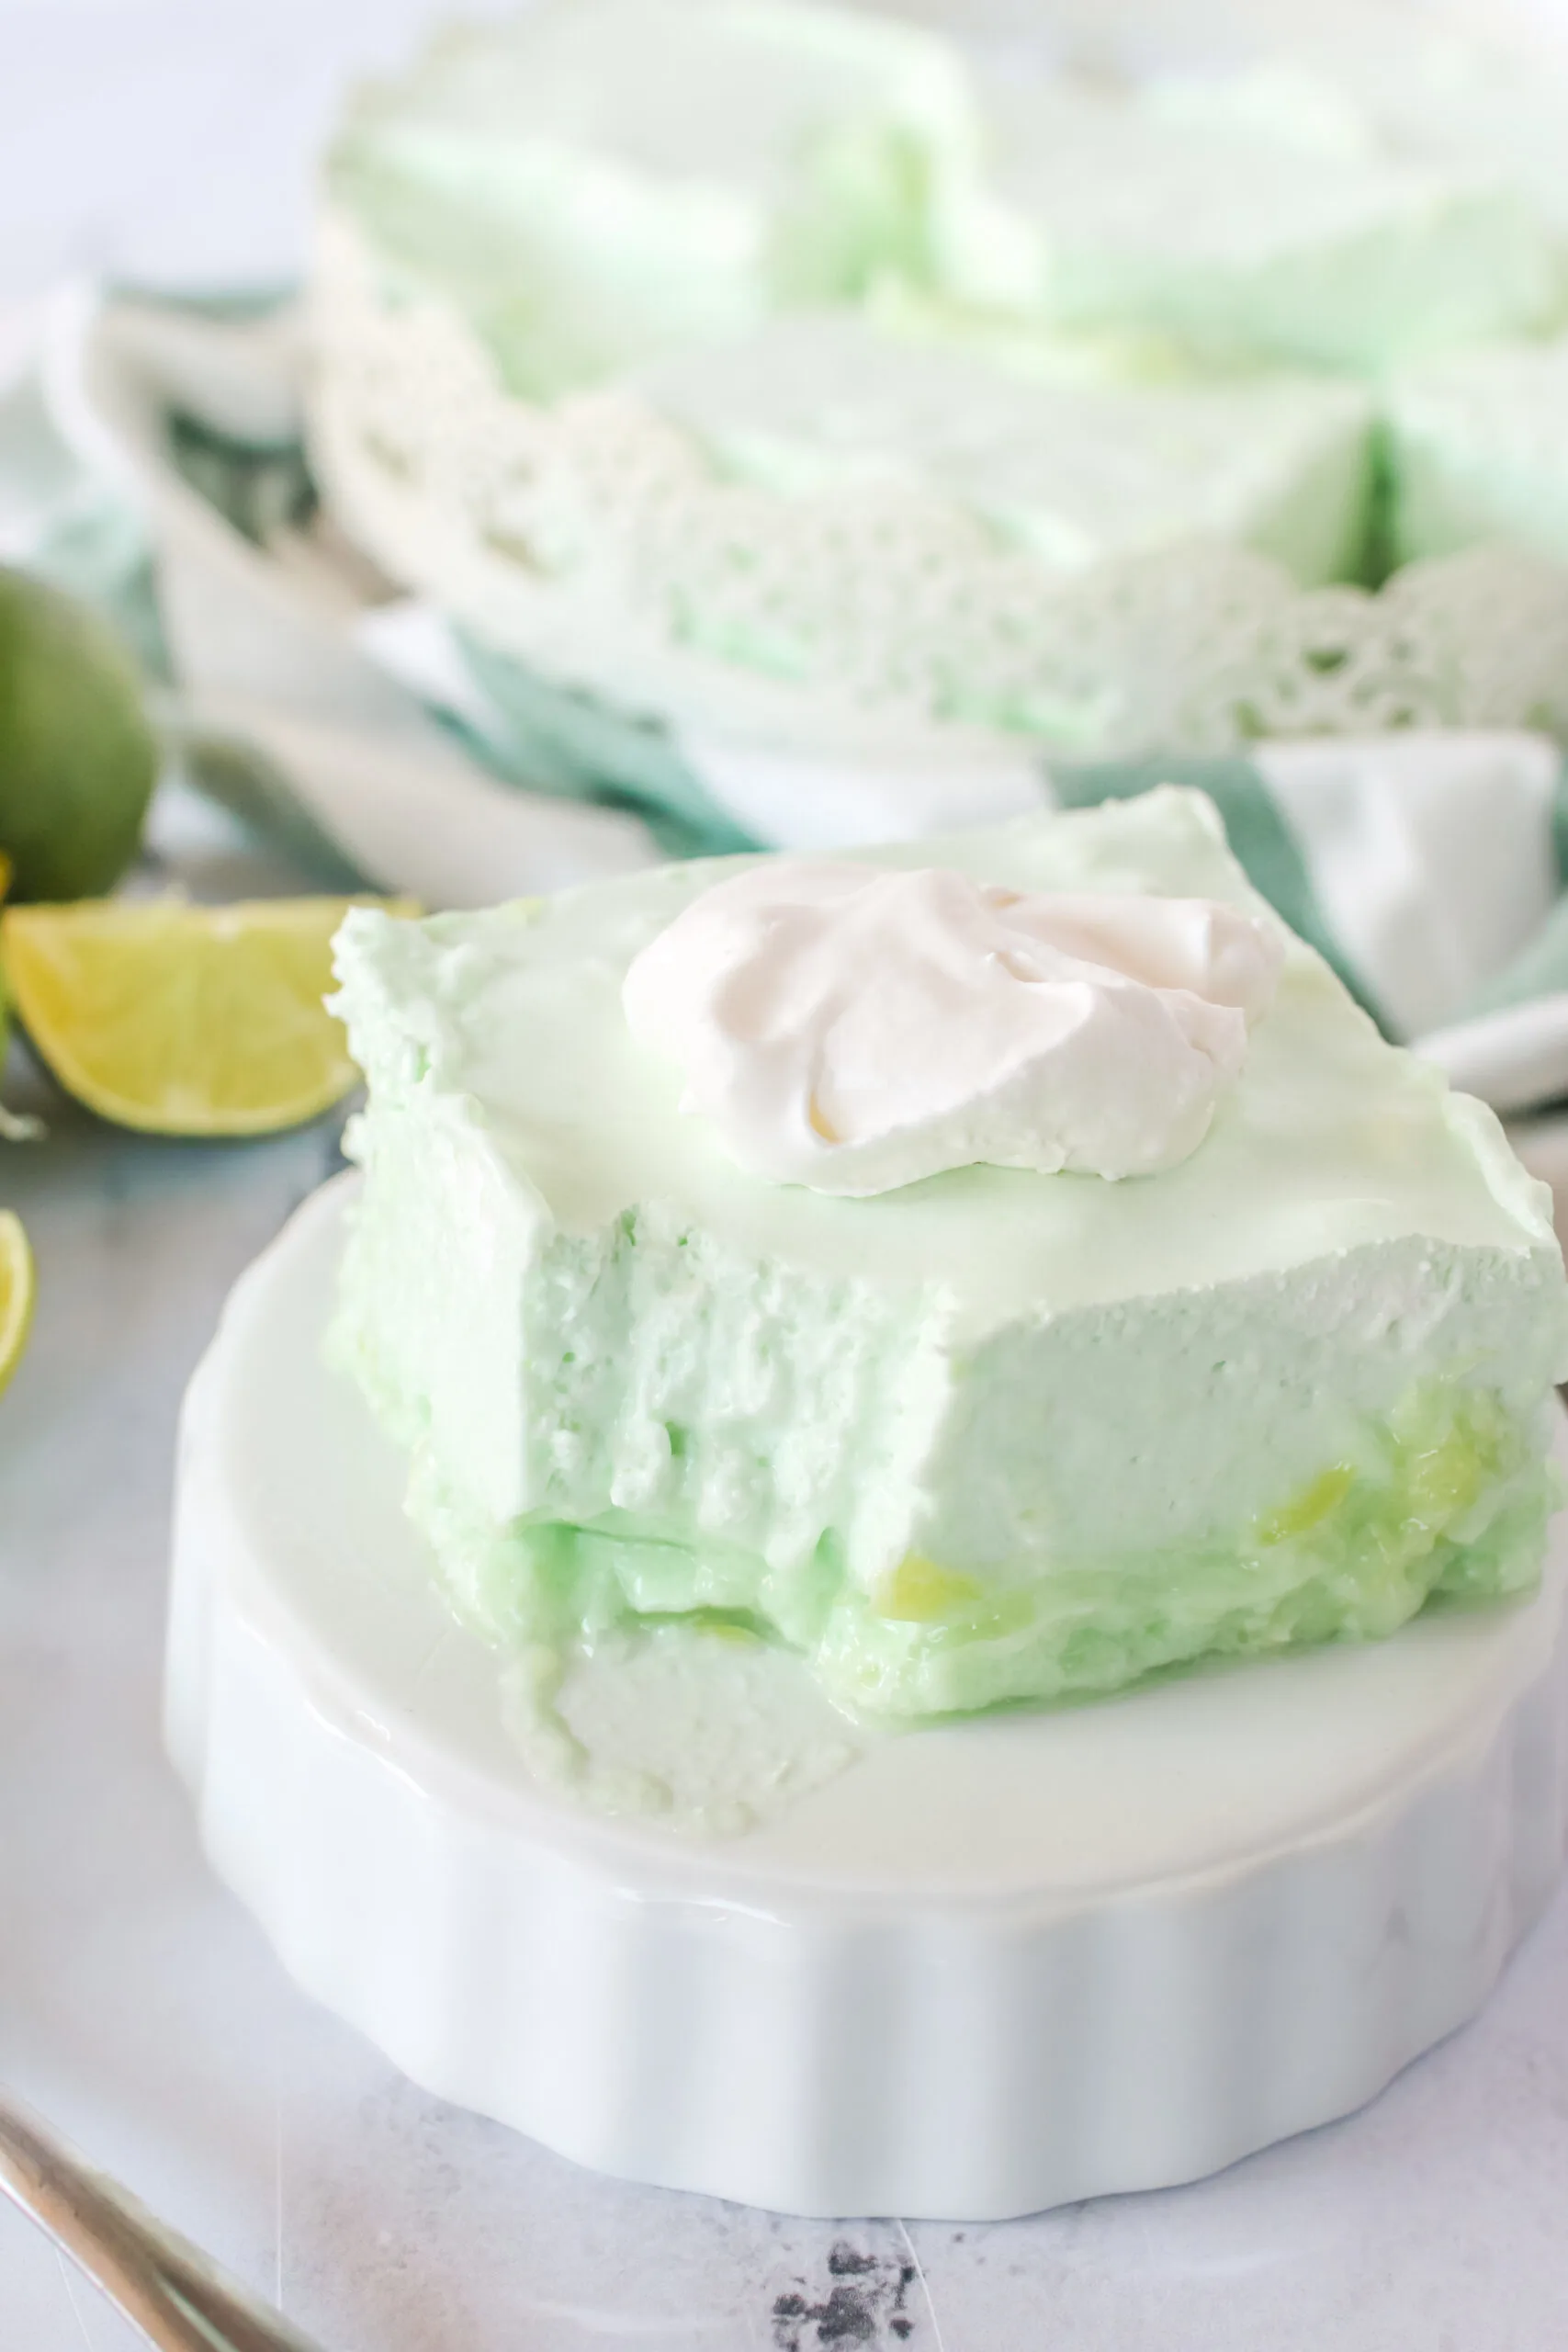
(996, 1269)
(603, 178)
(1235, 230)
(1480, 449)
(816, 406)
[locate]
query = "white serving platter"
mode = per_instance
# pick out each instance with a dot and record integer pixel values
(993, 1967)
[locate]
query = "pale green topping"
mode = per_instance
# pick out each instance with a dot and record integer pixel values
(1331, 1141)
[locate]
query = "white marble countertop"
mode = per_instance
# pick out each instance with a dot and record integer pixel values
(139, 2008)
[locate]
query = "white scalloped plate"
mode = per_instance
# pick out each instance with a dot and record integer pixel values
(993, 1967)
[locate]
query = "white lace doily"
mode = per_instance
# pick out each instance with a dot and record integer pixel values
(596, 543)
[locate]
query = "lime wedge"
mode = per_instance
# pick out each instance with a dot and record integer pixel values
(17, 1289)
(180, 1019)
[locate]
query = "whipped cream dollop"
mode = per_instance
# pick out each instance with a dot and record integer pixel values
(854, 1028)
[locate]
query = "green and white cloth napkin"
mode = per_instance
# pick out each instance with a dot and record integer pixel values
(148, 458)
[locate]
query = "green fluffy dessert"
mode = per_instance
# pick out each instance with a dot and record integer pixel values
(601, 180)
(1479, 443)
(1211, 217)
(800, 380)
(827, 404)
(991, 1435)
(607, 177)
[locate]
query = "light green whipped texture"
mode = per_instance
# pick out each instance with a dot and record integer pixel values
(1421, 83)
(1236, 226)
(601, 179)
(1076, 473)
(993, 1436)
(1479, 442)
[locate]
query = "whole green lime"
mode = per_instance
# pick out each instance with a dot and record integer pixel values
(78, 759)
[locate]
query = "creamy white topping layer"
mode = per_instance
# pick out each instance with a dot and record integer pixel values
(855, 1029)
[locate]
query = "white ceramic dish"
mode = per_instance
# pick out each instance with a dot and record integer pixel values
(995, 1966)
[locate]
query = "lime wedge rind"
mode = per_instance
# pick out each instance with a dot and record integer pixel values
(17, 1290)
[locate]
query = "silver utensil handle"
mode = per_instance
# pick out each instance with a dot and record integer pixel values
(180, 2300)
